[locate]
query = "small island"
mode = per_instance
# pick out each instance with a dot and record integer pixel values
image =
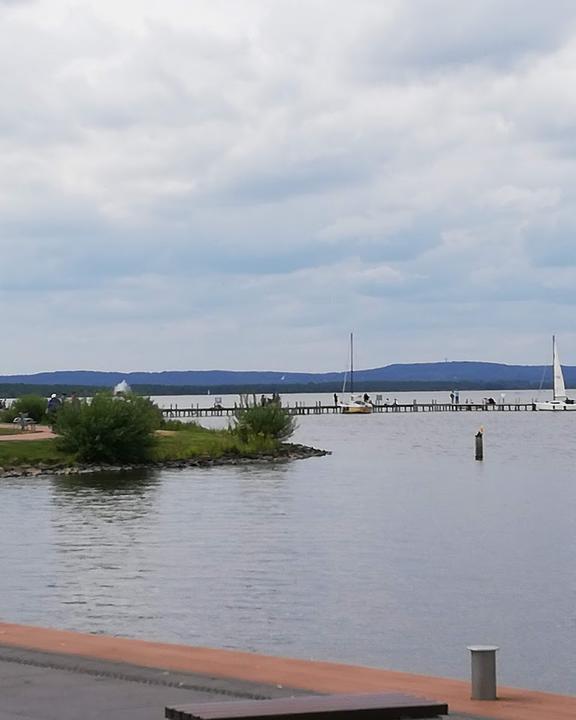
(126, 432)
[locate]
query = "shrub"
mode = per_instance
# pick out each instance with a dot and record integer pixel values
(266, 421)
(6, 415)
(32, 406)
(109, 429)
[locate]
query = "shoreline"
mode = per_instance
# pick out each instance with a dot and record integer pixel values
(273, 671)
(286, 453)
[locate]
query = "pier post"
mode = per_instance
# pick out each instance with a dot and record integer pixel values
(479, 444)
(483, 679)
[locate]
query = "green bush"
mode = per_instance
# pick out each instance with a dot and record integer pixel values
(109, 429)
(265, 421)
(32, 406)
(6, 415)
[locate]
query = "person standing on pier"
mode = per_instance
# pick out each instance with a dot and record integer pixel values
(335, 400)
(452, 397)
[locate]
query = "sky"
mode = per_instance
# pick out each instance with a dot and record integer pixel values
(238, 184)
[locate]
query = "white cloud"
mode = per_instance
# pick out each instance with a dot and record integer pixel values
(265, 176)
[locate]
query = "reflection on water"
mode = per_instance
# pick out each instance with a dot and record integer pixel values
(398, 550)
(108, 495)
(109, 515)
(107, 483)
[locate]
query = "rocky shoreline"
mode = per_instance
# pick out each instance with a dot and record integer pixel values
(286, 453)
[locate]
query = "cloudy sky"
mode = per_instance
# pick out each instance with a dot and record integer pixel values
(237, 184)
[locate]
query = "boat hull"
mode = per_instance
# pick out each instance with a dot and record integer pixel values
(554, 406)
(356, 409)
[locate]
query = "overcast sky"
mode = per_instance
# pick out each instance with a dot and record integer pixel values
(237, 184)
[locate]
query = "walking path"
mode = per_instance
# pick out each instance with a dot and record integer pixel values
(41, 432)
(53, 686)
(280, 673)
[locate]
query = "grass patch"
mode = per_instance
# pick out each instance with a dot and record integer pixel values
(183, 444)
(9, 431)
(32, 452)
(196, 441)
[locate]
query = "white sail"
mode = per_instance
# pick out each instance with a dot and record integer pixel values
(559, 387)
(559, 399)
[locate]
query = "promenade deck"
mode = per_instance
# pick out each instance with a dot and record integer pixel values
(237, 668)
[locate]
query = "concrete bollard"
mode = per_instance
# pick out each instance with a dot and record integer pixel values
(483, 671)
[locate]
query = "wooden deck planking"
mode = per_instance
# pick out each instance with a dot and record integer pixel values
(373, 706)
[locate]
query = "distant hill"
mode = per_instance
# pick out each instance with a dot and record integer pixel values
(442, 375)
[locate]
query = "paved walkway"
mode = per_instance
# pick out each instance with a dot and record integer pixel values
(41, 432)
(51, 686)
(279, 673)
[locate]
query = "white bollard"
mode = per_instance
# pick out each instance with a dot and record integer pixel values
(483, 671)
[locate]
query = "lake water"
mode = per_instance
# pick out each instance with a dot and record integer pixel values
(397, 550)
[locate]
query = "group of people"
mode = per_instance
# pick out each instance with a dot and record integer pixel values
(55, 402)
(455, 397)
(365, 398)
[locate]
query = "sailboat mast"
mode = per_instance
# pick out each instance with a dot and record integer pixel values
(351, 363)
(553, 367)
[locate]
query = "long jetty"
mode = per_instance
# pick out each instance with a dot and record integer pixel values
(317, 408)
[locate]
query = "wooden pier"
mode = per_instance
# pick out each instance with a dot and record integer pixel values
(175, 412)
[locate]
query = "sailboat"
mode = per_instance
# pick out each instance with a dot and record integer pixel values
(355, 405)
(560, 400)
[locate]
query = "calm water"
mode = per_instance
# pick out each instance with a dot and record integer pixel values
(397, 551)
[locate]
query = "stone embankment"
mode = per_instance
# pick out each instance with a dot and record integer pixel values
(286, 453)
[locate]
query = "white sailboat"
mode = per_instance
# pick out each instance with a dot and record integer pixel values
(355, 405)
(560, 400)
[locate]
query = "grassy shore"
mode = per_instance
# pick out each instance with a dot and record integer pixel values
(191, 441)
(32, 452)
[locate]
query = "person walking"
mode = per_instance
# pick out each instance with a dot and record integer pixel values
(54, 404)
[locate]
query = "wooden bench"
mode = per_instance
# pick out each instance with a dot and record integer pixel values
(26, 423)
(386, 706)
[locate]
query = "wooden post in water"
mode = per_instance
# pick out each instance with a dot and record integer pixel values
(479, 438)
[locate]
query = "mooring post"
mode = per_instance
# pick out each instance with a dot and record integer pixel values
(483, 671)
(480, 444)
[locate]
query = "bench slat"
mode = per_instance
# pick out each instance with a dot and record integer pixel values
(381, 706)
